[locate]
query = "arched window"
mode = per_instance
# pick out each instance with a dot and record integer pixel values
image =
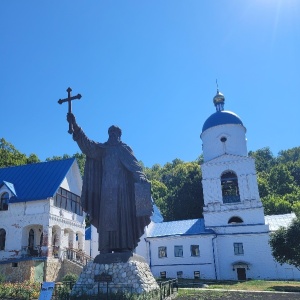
(2, 238)
(4, 201)
(230, 188)
(235, 220)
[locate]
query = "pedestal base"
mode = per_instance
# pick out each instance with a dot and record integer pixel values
(116, 273)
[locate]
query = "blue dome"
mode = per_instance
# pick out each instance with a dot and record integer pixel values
(221, 118)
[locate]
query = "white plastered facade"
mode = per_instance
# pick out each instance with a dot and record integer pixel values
(48, 229)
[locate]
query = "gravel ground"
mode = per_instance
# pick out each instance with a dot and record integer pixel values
(240, 295)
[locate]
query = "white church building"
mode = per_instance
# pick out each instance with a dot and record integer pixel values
(42, 226)
(230, 242)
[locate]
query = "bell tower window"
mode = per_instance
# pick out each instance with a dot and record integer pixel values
(230, 188)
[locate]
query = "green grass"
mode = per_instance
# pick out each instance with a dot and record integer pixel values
(250, 285)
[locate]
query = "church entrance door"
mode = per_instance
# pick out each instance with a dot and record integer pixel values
(241, 273)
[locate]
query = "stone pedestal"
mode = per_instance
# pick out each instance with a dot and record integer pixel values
(116, 273)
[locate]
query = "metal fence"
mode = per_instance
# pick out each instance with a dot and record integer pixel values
(111, 291)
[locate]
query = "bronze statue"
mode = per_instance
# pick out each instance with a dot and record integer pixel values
(115, 192)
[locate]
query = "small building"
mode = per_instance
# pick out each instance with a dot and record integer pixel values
(41, 220)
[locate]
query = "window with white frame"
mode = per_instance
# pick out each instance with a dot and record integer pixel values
(238, 248)
(178, 251)
(162, 251)
(195, 250)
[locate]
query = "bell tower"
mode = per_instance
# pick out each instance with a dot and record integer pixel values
(228, 175)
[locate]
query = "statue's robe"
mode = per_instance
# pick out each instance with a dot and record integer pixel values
(108, 193)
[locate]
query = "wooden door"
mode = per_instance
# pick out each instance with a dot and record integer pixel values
(241, 273)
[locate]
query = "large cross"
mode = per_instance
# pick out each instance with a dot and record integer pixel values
(69, 99)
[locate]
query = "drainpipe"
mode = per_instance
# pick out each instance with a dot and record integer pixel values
(214, 255)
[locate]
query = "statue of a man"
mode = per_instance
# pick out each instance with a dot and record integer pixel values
(109, 190)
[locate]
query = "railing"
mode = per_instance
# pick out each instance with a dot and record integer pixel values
(31, 251)
(168, 288)
(77, 256)
(115, 292)
(231, 199)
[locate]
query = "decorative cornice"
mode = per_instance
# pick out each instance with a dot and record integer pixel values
(65, 221)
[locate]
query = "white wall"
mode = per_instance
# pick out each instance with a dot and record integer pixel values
(187, 264)
(257, 252)
(235, 144)
(91, 246)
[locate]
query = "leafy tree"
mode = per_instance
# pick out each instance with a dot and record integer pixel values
(296, 209)
(55, 157)
(79, 156)
(10, 156)
(177, 190)
(290, 155)
(263, 184)
(294, 169)
(32, 158)
(264, 159)
(275, 205)
(281, 181)
(285, 244)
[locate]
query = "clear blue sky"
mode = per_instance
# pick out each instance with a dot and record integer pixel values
(149, 67)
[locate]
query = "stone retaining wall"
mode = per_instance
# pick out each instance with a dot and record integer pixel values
(54, 270)
(18, 272)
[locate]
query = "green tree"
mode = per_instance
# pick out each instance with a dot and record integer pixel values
(263, 184)
(184, 199)
(281, 181)
(80, 157)
(275, 205)
(285, 244)
(264, 159)
(294, 169)
(32, 158)
(10, 156)
(56, 157)
(290, 155)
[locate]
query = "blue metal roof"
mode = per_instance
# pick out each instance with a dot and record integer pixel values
(10, 186)
(184, 227)
(221, 118)
(35, 181)
(156, 216)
